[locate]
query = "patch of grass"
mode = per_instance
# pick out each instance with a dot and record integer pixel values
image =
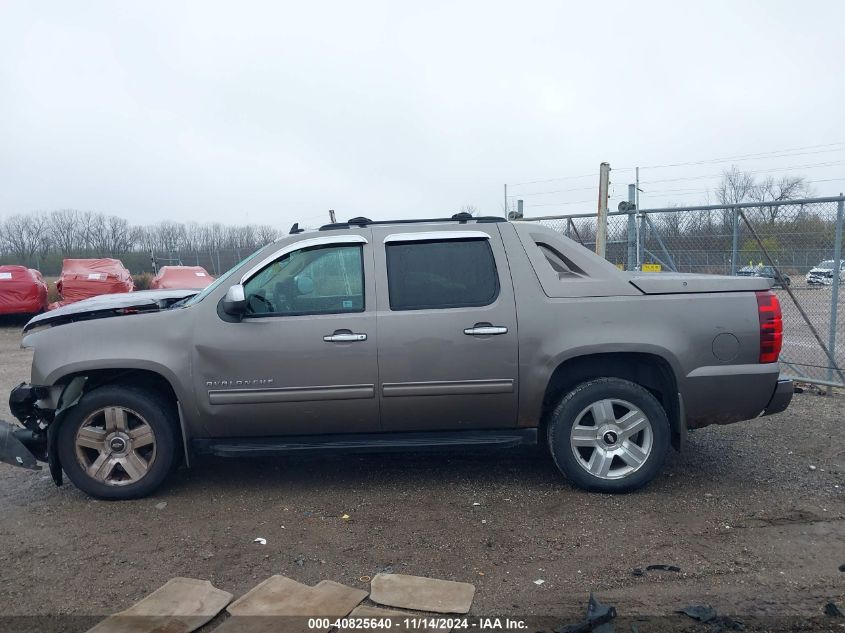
(142, 281)
(52, 291)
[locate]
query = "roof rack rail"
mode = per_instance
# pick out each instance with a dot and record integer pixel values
(461, 218)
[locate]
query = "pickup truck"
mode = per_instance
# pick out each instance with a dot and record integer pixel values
(383, 335)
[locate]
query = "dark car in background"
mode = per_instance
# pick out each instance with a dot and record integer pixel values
(768, 272)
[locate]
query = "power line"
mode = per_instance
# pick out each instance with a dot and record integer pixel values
(560, 204)
(534, 182)
(778, 154)
(783, 153)
(543, 193)
(750, 171)
(683, 192)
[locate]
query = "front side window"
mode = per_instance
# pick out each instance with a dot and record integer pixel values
(441, 274)
(316, 280)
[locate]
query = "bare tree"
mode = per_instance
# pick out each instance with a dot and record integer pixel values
(41, 236)
(264, 234)
(735, 187)
(784, 188)
(120, 235)
(99, 235)
(88, 224)
(64, 232)
(21, 236)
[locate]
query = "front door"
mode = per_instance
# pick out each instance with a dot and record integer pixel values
(447, 329)
(303, 359)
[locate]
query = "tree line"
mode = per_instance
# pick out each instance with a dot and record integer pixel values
(43, 239)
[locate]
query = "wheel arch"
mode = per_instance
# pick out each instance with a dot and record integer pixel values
(649, 370)
(75, 384)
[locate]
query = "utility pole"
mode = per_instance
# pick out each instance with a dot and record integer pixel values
(332, 216)
(641, 223)
(506, 200)
(601, 227)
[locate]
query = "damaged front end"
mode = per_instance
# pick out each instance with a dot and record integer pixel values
(31, 443)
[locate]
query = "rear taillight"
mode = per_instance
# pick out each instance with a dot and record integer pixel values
(771, 326)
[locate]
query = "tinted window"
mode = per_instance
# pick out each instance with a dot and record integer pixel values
(441, 274)
(319, 280)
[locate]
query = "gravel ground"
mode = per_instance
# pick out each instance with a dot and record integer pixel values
(755, 531)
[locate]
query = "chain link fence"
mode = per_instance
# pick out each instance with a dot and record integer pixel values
(803, 238)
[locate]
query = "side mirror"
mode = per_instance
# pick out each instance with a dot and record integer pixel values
(234, 303)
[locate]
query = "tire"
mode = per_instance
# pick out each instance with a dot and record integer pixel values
(616, 456)
(127, 436)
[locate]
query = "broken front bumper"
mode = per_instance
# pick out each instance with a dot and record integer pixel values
(35, 441)
(23, 403)
(22, 447)
(27, 445)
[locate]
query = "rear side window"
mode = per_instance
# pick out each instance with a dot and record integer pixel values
(441, 274)
(559, 263)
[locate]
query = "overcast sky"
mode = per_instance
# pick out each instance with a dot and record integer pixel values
(274, 112)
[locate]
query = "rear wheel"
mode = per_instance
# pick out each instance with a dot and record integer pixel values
(609, 435)
(118, 443)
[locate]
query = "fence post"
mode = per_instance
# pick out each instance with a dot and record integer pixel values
(834, 293)
(632, 227)
(641, 241)
(734, 240)
(601, 216)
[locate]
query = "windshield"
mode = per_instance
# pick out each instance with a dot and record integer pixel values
(218, 282)
(828, 263)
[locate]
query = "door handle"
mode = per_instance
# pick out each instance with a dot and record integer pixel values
(344, 336)
(485, 329)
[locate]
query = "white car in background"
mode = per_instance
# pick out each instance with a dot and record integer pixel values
(822, 275)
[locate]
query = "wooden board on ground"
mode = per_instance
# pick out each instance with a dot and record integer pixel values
(402, 621)
(279, 595)
(180, 605)
(422, 594)
(282, 604)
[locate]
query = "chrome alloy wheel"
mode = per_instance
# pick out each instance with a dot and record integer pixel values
(611, 438)
(115, 446)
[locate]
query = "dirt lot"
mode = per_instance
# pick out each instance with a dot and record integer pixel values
(756, 532)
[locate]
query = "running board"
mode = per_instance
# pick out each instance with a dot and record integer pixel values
(363, 442)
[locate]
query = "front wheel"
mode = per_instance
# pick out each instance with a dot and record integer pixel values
(118, 442)
(609, 435)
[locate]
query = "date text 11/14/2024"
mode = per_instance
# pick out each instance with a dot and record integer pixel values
(427, 623)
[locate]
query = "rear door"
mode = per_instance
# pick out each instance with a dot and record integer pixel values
(446, 321)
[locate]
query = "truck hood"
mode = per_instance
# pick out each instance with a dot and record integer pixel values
(110, 306)
(684, 283)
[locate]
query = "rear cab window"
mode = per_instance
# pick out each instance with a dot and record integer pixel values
(440, 273)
